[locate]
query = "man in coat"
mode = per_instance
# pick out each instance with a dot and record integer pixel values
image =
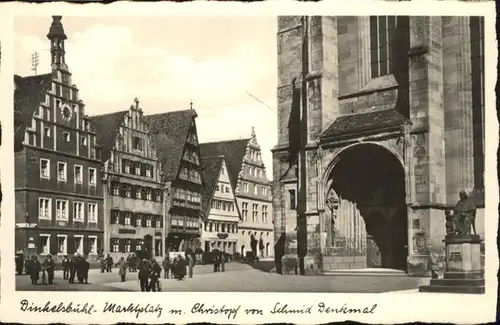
(72, 269)
(190, 261)
(144, 272)
(85, 266)
(49, 267)
(155, 275)
(65, 266)
(122, 267)
(166, 267)
(33, 267)
(109, 263)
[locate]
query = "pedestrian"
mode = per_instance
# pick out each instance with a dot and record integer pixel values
(72, 269)
(122, 267)
(180, 268)
(49, 267)
(222, 258)
(33, 267)
(144, 271)
(155, 275)
(190, 265)
(102, 263)
(85, 270)
(79, 269)
(166, 267)
(65, 266)
(215, 260)
(129, 262)
(109, 263)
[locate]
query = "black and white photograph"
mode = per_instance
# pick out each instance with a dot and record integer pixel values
(295, 154)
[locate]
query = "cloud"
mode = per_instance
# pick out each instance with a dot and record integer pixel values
(113, 64)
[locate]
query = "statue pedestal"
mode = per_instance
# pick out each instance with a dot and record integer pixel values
(290, 264)
(464, 273)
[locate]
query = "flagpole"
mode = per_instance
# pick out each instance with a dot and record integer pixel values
(301, 179)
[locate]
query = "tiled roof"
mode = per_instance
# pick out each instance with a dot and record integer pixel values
(169, 132)
(28, 94)
(107, 127)
(233, 151)
(349, 124)
(211, 170)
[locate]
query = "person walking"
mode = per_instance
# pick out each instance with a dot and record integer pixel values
(85, 270)
(33, 267)
(180, 268)
(155, 276)
(215, 259)
(102, 263)
(222, 258)
(166, 267)
(49, 267)
(144, 272)
(122, 268)
(109, 263)
(65, 266)
(190, 265)
(72, 269)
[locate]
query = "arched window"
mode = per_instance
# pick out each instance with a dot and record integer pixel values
(382, 29)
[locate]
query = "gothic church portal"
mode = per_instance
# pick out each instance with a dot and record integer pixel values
(392, 124)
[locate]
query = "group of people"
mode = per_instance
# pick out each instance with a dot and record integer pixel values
(76, 266)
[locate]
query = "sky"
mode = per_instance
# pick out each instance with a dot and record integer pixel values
(227, 67)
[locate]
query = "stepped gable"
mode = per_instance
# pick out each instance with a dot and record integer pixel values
(28, 94)
(364, 122)
(169, 132)
(233, 152)
(107, 128)
(211, 171)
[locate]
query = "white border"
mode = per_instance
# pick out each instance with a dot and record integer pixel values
(392, 308)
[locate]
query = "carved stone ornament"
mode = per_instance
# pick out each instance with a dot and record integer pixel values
(462, 220)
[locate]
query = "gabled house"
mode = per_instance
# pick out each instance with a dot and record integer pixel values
(220, 209)
(133, 189)
(247, 176)
(176, 140)
(58, 190)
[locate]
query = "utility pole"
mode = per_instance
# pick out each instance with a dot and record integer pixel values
(34, 61)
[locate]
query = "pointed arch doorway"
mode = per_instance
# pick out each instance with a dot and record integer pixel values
(368, 217)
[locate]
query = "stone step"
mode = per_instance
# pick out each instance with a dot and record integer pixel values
(366, 272)
(452, 289)
(458, 282)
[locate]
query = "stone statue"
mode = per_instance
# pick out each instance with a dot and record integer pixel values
(463, 217)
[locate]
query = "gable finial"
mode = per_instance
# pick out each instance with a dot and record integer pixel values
(253, 132)
(191, 104)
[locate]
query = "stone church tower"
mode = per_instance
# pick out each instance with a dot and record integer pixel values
(392, 129)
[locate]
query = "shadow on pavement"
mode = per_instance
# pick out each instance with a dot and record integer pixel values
(267, 266)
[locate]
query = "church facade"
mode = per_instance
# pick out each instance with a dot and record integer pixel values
(380, 126)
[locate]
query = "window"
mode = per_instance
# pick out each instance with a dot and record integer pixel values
(93, 245)
(149, 194)
(382, 30)
(227, 189)
(128, 191)
(137, 143)
(148, 222)
(45, 168)
(292, 200)
(92, 176)
(137, 169)
(244, 210)
(46, 131)
(255, 189)
(84, 141)
(62, 209)
(210, 227)
(127, 219)
(138, 193)
(126, 165)
(264, 191)
(66, 136)
(78, 174)
(44, 244)
(116, 189)
(44, 208)
(138, 245)
(115, 217)
(78, 211)
(115, 245)
(245, 187)
(138, 221)
(79, 244)
(158, 196)
(62, 244)
(92, 216)
(148, 171)
(61, 171)
(158, 222)
(127, 245)
(223, 227)
(264, 213)
(255, 212)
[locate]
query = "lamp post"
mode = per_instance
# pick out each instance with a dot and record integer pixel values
(27, 220)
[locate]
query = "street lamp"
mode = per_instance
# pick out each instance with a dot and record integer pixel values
(27, 223)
